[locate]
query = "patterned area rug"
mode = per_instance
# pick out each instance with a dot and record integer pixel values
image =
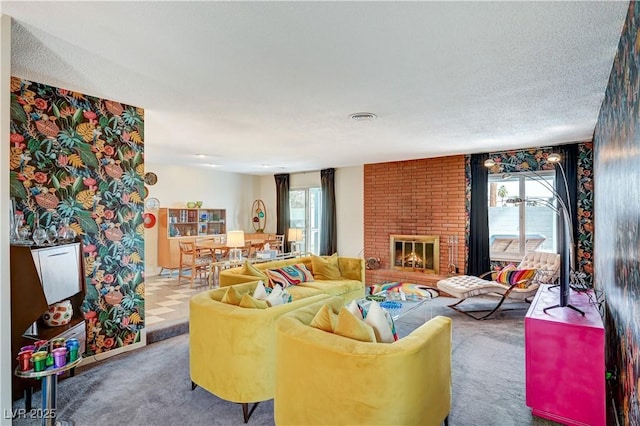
(419, 290)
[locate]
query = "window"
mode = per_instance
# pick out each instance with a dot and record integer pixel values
(305, 207)
(516, 228)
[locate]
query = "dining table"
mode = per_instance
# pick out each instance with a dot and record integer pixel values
(210, 244)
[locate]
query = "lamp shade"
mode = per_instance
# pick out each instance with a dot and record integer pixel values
(554, 158)
(235, 239)
(295, 234)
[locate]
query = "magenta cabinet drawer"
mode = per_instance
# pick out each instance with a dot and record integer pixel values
(565, 368)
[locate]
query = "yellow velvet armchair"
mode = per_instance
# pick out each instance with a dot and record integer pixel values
(327, 379)
(232, 349)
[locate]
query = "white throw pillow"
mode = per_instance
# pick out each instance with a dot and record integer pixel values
(275, 297)
(260, 293)
(377, 319)
(355, 310)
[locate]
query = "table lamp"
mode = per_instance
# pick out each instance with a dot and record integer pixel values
(295, 236)
(235, 239)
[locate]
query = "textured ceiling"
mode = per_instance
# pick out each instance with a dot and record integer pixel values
(267, 87)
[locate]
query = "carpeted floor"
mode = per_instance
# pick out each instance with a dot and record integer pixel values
(151, 386)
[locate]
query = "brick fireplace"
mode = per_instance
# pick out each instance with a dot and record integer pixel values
(417, 197)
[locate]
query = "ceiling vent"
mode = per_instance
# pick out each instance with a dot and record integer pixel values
(363, 116)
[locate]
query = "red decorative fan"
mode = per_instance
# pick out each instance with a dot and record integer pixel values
(149, 220)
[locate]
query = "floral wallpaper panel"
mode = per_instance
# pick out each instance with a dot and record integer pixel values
(80, 158)
(617, 262)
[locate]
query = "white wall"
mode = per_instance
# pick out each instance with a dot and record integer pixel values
(350, 210)
(304, 180)
(5, 288)
(178, 185)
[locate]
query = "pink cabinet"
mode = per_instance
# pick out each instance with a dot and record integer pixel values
(565, 360)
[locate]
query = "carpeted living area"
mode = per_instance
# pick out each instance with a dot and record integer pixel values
(488, 380)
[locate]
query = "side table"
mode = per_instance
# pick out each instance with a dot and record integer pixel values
(404, 306)
(49, 378)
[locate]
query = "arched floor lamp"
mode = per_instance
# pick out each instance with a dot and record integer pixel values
(564, 212)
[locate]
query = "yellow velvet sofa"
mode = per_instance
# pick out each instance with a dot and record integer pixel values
(326, 379)
(349, 286)
(232, 349)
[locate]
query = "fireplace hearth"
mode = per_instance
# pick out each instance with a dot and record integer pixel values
(416, 253)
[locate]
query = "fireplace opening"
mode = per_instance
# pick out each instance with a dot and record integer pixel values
(415, 253)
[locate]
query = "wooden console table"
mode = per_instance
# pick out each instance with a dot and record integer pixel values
(565, 368)
(40, 276)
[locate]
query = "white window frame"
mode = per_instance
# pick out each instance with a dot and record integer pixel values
(522, 231)
(310, 233)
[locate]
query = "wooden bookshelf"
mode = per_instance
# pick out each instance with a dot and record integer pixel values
(176, 224)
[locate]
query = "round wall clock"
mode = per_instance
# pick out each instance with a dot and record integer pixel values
(152, 204)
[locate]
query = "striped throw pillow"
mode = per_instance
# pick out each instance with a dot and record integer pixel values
(289, 275)
(521, 277)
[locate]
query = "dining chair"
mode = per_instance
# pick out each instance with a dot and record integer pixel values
(194, 259)
(221, 253)
(258, 245)
(278, 243)
(247, 250)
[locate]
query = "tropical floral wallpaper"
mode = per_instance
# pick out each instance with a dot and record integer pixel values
(585, 236)
(536, 159)
(617, 263)
(80, 158)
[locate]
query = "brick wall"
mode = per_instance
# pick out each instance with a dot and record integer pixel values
(416, 197)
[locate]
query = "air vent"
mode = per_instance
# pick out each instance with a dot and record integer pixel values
(363, 116)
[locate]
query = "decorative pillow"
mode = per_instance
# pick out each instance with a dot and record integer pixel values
(275, 297)
(289, 275)
(326, 268)
(232, 296)
(278, 296)
(378, 319)
(260, 292)
(356, 310)
(349, 326)
(249, 269)
(325, 319)
(521, 277)
(498, 268)
(248, 301)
